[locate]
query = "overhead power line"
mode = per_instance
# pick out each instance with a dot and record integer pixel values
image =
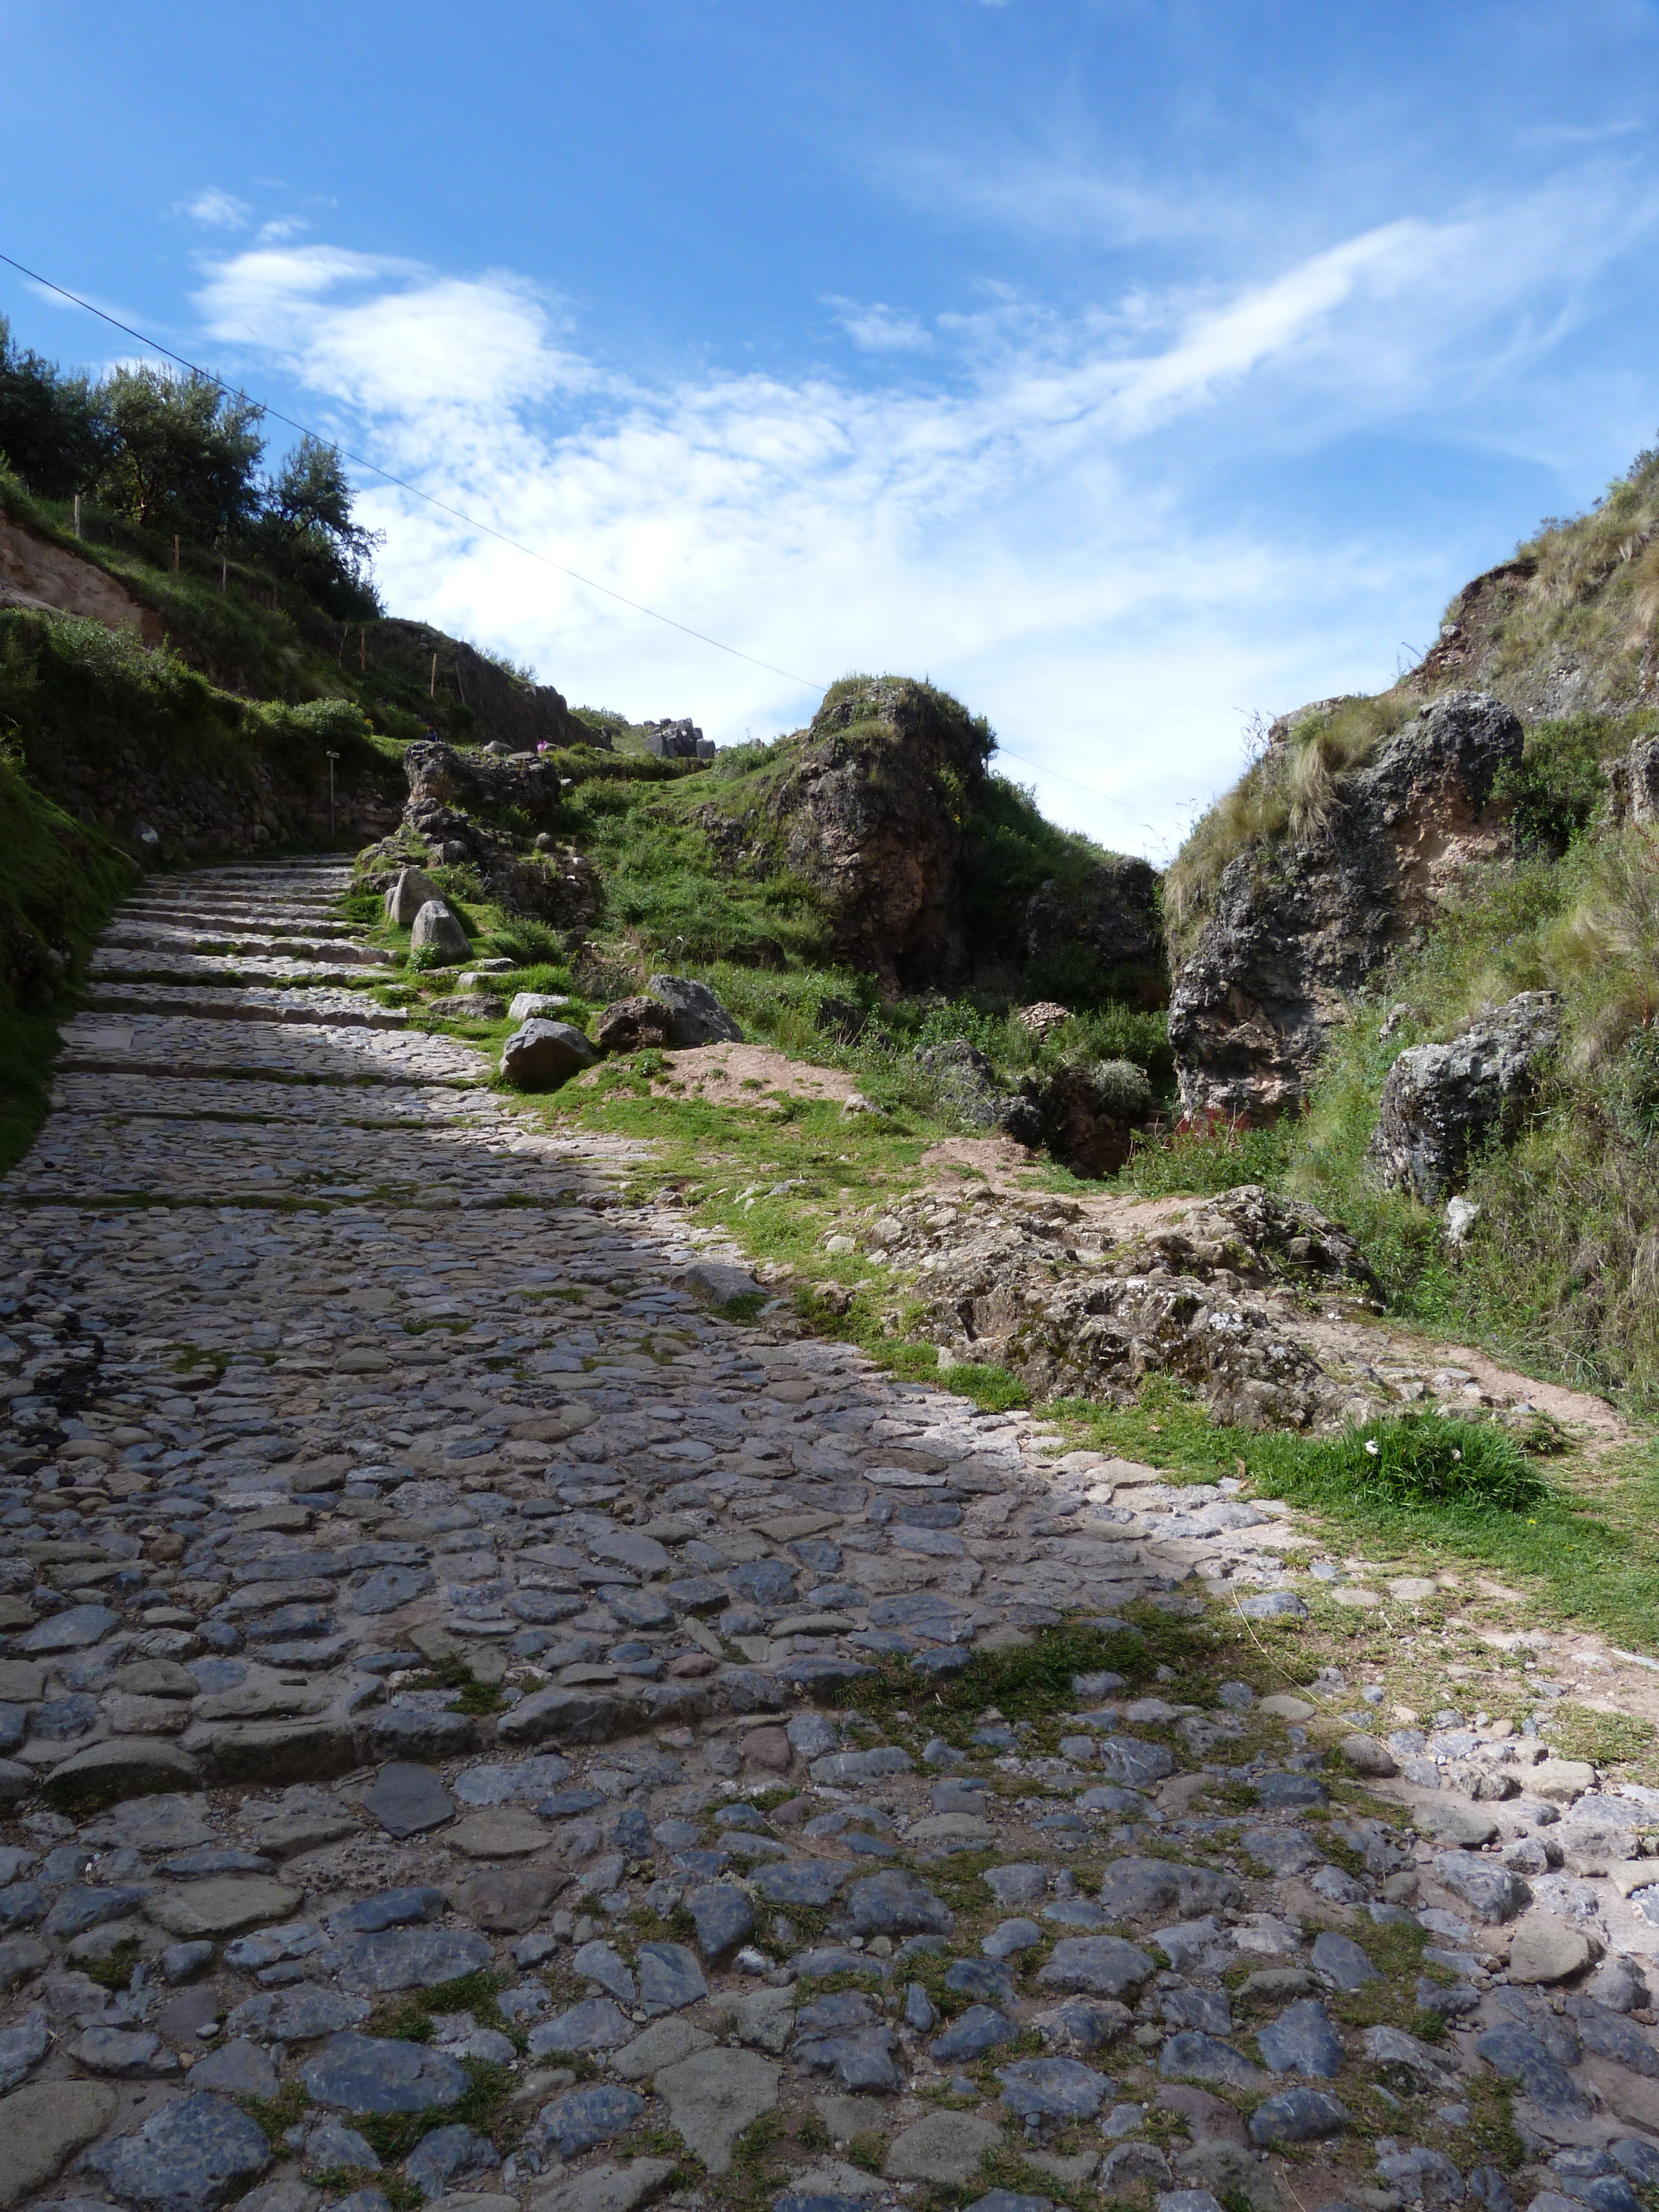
(361, 461)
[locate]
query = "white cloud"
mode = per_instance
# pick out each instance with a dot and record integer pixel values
(879, 328)
(219, 210)
(281, 229)
(1034, 527)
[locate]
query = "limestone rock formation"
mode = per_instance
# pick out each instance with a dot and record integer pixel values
(1033, 1287)
(1296, 926)
(870, 814)
(1443, 1102)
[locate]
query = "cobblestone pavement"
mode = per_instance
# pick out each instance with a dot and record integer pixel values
(423, 1621)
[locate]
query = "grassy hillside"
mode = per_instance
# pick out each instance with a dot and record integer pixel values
(256, 633)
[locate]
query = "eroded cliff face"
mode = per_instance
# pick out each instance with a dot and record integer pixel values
(1298, 925)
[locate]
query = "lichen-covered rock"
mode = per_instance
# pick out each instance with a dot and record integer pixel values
(1441, 1102)
(967, 1085)
(1297, 927)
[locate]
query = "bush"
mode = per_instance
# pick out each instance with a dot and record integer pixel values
(1123, 1089)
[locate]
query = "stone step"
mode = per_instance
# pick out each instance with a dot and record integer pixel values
(124, 936)
(318, 916)
(333, 1010)
(149, 1042)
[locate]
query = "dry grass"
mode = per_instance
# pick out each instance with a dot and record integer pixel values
(1291, 792)
(1591, 588)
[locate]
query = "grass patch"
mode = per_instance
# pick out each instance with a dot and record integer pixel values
(1603, 1739)
(1589, 1554)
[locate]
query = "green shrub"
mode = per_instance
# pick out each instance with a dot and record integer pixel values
(1430, 1459)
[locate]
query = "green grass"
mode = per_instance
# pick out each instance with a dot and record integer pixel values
(59, 882)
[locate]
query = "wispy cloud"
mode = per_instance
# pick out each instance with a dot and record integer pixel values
(217, 210)
(1032, 523)
(878, 328)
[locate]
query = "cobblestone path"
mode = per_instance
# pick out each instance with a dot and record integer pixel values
(425, 1629)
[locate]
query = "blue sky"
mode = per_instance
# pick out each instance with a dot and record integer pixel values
(1127, 368)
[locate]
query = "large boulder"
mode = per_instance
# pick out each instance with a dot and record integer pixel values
(1443, 1102)
(1296, 925)
(1090, 1112)
(695, 1015)
(541, 1055)
(412, 891)
(435, 929)
(870, 814)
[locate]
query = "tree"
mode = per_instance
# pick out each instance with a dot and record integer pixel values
(306, 530)
(184, 455)
(51, 431)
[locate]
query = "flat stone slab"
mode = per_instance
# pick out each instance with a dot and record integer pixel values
(408, 1799)
(355, 2072)
(226, 1905)
(42, 2125)
(714, 2096)
(499, 1832)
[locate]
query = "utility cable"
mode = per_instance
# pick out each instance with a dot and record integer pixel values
(361, 461)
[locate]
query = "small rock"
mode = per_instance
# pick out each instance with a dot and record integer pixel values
(946, 2148)
(42, 2125)
(407, 1799)
(1298, 2116)
(187, 2157)
(357, 2073)
(1367, 1756)
(1544, 1949)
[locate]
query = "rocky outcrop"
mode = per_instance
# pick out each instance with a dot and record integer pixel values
(467, 809)
(1109, 909)
(1034, 1286)
(1089, 1111)
(480, 783)
(1634, 784)
(1296, 926)
(522, 714)
(1441, 1102)
(870, 814)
